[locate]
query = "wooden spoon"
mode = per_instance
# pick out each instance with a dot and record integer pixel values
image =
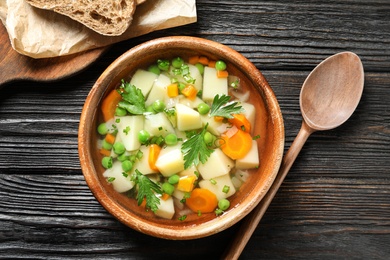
(329, 96)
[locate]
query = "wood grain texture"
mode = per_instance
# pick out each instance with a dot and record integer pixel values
(334, 203)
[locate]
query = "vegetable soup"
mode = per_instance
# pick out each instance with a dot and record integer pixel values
(178, 137)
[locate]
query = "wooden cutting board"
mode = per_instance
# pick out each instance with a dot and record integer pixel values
(14, 66)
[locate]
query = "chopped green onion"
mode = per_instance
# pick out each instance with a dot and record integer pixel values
(111, 179)
(163, 64)
(225, 189)
(182, 218)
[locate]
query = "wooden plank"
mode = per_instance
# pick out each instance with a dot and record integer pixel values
(334, 203)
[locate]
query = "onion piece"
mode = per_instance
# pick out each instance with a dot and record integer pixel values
(232, 131)
(242, 175)
(243, 97)
(236, 182)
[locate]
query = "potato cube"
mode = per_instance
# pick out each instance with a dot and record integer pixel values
(170, 160)
(212, 85)
(217, 185)
(216, 165)
(128, 128)
(158, 124)
(119, 182)
(187, 118)
(166, 209)
(159, 90)
(251, 159)
(195, 74)
(143, 164)
(249, 113)
(143, 80)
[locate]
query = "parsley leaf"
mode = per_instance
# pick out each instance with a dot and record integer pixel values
(147, 189)
(195, 149)
(221, 107)
(133, 99)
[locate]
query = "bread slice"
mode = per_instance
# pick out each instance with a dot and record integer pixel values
(107, 17)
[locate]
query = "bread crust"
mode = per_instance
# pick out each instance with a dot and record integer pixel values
(107, 17)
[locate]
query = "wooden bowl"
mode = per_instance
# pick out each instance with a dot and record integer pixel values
(269, 125)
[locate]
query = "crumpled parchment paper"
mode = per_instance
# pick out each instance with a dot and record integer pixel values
(44, 34)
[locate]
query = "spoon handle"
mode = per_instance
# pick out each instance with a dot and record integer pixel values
(252, 219)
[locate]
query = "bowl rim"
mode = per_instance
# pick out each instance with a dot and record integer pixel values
(89, 112)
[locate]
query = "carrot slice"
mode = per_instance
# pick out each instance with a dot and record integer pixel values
(237, 145)
(105, 152)
(186, 183)
(143, 203)
(202, 200)
(241, 122)
(189, 91)
(154, 151)
(222, 73)
(165, 196)
(211, 63)
(193, 59)
(218, 118)
(109, 104)
(110, 138)
(173, 90)
(203, 60)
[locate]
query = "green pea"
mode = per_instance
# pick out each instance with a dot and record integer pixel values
(171, 139)
(119, 111)
(223, 204)
(119, 148)
(150, 109)
(155, 69)
(208, 138)
(167, 188)
(102, 129)
(220, 65)
(158, 105)
(177, 62)
(203, 108)
(200, 67)
(173, 179)
(143, 136)
(106, 145)
(107, 162)
(127, 165)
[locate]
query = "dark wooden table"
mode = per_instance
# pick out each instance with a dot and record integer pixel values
(334, 204)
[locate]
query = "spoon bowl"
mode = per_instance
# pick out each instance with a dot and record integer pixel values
(328, 99)
(329, 96)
